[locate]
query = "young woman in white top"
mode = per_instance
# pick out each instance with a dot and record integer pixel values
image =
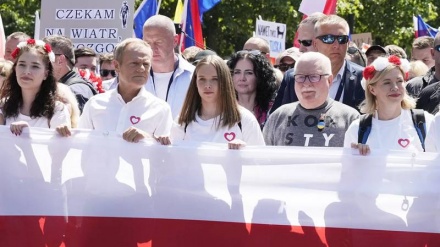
(392, 127)
(29, 93)
(210, 112)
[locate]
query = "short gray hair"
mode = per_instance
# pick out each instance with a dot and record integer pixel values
(120, 48)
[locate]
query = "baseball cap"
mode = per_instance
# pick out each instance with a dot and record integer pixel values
(375, 48)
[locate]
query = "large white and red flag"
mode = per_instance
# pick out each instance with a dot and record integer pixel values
(94, 189)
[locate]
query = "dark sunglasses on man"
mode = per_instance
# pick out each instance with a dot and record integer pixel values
(306, 43)
(284, 66)
(106, 72)
(330, 39)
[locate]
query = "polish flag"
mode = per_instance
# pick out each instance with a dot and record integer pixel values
(94, 189)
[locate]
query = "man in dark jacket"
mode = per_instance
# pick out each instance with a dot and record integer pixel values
(415, 85)
(63, 69)
(331, 39)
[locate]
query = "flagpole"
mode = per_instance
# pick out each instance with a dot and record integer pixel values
(37, 25)
(158, 6)
(2, 38)
(183, 22)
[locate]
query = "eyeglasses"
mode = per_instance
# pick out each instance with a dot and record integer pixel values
(312, 78)
(306, 43)
(330, 39)
(437, 48)
(284, 66)
(105, 72)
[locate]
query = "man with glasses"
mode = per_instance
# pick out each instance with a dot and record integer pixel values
(258, 44)
(305, 38)
(107, 71)
(331, 39)
(417, 84)
(428, 85)
(316, 119)
(63, 69)
(287, 59)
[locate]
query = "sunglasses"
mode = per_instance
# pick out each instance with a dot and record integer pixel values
(106, 72)
(307, 42)
(437, 48)
(330, 39)
(284, 66)
(253, 52)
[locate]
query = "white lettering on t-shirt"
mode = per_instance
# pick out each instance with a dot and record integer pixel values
(307, 136)
(327, 138)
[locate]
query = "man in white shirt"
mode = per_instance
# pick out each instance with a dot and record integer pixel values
(171, 74)
(129, 109)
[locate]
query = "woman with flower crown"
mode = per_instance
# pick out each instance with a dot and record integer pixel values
(390, 108)
(29, 95)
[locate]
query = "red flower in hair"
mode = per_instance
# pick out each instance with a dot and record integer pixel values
(369, 72)
(31, 41)
(14, 54)
(47, 48)
(395, 60)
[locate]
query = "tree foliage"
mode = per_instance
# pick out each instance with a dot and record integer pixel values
(230, 23)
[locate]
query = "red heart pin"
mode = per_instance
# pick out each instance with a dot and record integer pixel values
(134, 119)
(229, 136)
(403, 142)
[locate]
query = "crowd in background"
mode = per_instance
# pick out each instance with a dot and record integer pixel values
(326, 92)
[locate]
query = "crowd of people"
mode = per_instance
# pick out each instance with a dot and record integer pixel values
(326, 92)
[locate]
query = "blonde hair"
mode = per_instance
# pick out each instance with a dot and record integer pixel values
(417, 68)
(66, 96)
(369, 105)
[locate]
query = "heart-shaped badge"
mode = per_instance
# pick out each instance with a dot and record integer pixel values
(135, 120)
(403, 142)
(229, 136)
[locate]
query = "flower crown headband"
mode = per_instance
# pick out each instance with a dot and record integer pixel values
(380, 64)
(33, 42)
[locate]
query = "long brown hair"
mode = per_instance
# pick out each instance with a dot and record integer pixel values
(226, 103)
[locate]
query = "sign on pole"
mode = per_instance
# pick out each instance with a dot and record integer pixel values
(274, 33)
(99, 25)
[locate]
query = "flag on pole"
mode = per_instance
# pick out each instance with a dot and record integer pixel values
(2, 39)
(145, 10)
(422, 28)
(192, 18)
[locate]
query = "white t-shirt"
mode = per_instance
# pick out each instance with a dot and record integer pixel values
(394, 134)
(61, 116)
(161, 81)
(432, 137)
(333, 90)
(205, 131)
(109, 112)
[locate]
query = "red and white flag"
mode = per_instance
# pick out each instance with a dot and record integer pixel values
(94, 189)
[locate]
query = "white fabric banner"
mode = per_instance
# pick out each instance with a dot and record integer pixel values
(95, 174)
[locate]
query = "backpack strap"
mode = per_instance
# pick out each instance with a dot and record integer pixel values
(418, 118)
(365, 122)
